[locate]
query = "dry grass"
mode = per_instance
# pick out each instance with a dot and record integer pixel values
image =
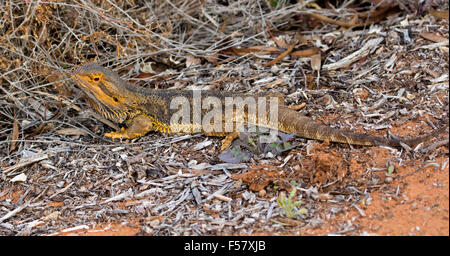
(40, 41)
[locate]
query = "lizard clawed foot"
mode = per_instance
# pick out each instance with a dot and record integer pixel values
(117, 135)
(226, 142)
(137, 127)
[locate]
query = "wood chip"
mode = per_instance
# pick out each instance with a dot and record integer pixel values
(367, 48)
(435, 45)
(119, 197)
(19, 178)
(35, 158)
(222, 197)
(13, 212)
(202, 145)
(75, 228)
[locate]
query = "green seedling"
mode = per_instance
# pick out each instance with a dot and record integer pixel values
(289, 207)
(390, 170)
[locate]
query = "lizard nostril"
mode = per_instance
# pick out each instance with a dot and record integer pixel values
(115, 99)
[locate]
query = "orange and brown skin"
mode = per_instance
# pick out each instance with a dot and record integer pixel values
(143, 110)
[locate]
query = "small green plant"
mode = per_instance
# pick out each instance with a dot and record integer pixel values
(290, 207)
(276, 3)
(250, 143)
(390, 170)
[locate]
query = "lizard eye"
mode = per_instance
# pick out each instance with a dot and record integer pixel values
(96, 78)
(115, 99)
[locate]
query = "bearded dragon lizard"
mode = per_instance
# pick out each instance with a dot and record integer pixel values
(142, 110)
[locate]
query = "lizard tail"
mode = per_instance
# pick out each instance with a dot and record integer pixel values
(290, 121)
(414, 142)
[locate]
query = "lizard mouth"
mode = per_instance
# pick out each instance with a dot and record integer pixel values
(85, 85)
(93, 100)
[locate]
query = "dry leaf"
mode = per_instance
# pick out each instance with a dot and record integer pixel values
(439, 14)
(324, 197)
(433, 37)
(280, 57)
(15, 134)
(260, 49)
(310, 82)
(43, 127)
(57, 79)
(316, 62)
(275, 83)
(383, 3)
(305, 53)
(72, 131)
(52, 216)
(192, 61)
(298, 106)
(224, 25)
(282, 41)
(147, 67)
(212, 58)
(290, 222)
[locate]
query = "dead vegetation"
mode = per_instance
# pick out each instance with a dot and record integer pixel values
(360, 65)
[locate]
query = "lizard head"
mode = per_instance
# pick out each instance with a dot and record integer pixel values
(105, 90)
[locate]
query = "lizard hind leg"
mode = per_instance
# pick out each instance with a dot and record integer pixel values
(137, 127)
(226, 142)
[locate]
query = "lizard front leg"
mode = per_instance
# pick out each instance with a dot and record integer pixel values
(137, 127)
